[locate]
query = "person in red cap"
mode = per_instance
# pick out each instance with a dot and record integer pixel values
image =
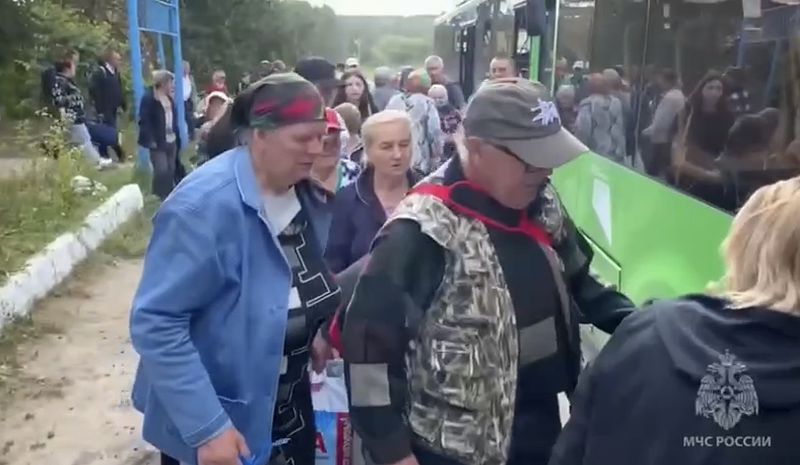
(330, 170)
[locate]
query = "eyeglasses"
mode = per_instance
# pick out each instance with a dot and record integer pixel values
(528, 168)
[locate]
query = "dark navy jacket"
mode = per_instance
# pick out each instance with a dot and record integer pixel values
(357, 217)
(106, 91)
(691, 382)
(152, 123)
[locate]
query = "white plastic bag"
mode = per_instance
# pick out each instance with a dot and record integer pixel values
(328, 389)
(334, 435)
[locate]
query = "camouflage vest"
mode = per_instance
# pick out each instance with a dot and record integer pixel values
(462, 365)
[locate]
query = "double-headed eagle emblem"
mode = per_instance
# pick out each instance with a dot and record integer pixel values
(726, 392)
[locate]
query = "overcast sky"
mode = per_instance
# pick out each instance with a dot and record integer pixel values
(386, 7)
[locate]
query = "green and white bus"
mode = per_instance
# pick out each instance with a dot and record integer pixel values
(651, 238)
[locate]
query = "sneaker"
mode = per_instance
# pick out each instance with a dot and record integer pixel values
(105, 163)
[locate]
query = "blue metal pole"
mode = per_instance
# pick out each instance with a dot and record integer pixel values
(136, 54)
(177, 55)
(143, 154)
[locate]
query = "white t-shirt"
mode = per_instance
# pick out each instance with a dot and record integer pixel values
(280, 209)
(187, 88)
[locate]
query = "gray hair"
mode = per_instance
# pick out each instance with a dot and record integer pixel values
(612, 76)
(371, 125)
(383, 75)
(244, 136)
(566, 90)
(161, 77)
(438, 88)
(434, 61)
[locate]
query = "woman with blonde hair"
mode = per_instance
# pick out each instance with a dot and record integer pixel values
(361, 208)
(705, 380)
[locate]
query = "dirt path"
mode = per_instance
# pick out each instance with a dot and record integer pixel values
(71, 402)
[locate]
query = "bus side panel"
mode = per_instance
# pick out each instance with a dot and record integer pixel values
(665, 243)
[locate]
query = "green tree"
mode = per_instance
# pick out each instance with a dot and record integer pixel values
(16, 31)
(237, 35)
(53, 28)
(399, 50)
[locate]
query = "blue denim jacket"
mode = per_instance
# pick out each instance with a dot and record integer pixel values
(209, 316)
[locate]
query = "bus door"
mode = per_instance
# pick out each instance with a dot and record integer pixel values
(522, 44)
(542, 27)
(467, 58)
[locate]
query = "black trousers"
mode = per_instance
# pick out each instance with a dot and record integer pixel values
(188, 108)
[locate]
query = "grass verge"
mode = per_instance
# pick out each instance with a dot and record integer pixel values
(41, 204)
(130, 240)
(34, 210)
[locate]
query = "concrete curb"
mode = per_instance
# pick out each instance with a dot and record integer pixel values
(55, 262)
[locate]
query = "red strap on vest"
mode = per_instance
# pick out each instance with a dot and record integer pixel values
(335, 332)
(444, 194)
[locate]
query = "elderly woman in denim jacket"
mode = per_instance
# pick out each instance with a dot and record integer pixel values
(234, 289)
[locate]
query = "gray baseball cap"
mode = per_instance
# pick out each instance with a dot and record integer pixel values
(517, 114)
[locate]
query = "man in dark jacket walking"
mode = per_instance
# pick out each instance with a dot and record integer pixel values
(105, 89)
(434, 65)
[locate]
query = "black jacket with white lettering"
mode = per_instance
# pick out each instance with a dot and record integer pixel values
(690, 382)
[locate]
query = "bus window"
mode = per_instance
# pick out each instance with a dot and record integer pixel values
(601, 61)
(717, 110)
(546, 60)
(572, 57)
(574, 37)
(523, 44)
(446, 34)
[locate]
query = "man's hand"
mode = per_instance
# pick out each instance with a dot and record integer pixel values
(224, 449)
(321, 352)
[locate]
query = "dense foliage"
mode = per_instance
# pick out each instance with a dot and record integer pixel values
(234, 35)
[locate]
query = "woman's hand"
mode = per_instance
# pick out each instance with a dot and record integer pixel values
(321, 352)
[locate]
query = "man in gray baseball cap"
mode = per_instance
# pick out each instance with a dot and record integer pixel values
(513, 139)
(463, 326)
(515, 114)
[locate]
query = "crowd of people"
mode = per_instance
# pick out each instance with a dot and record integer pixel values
(328, 219)
(710, 142)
